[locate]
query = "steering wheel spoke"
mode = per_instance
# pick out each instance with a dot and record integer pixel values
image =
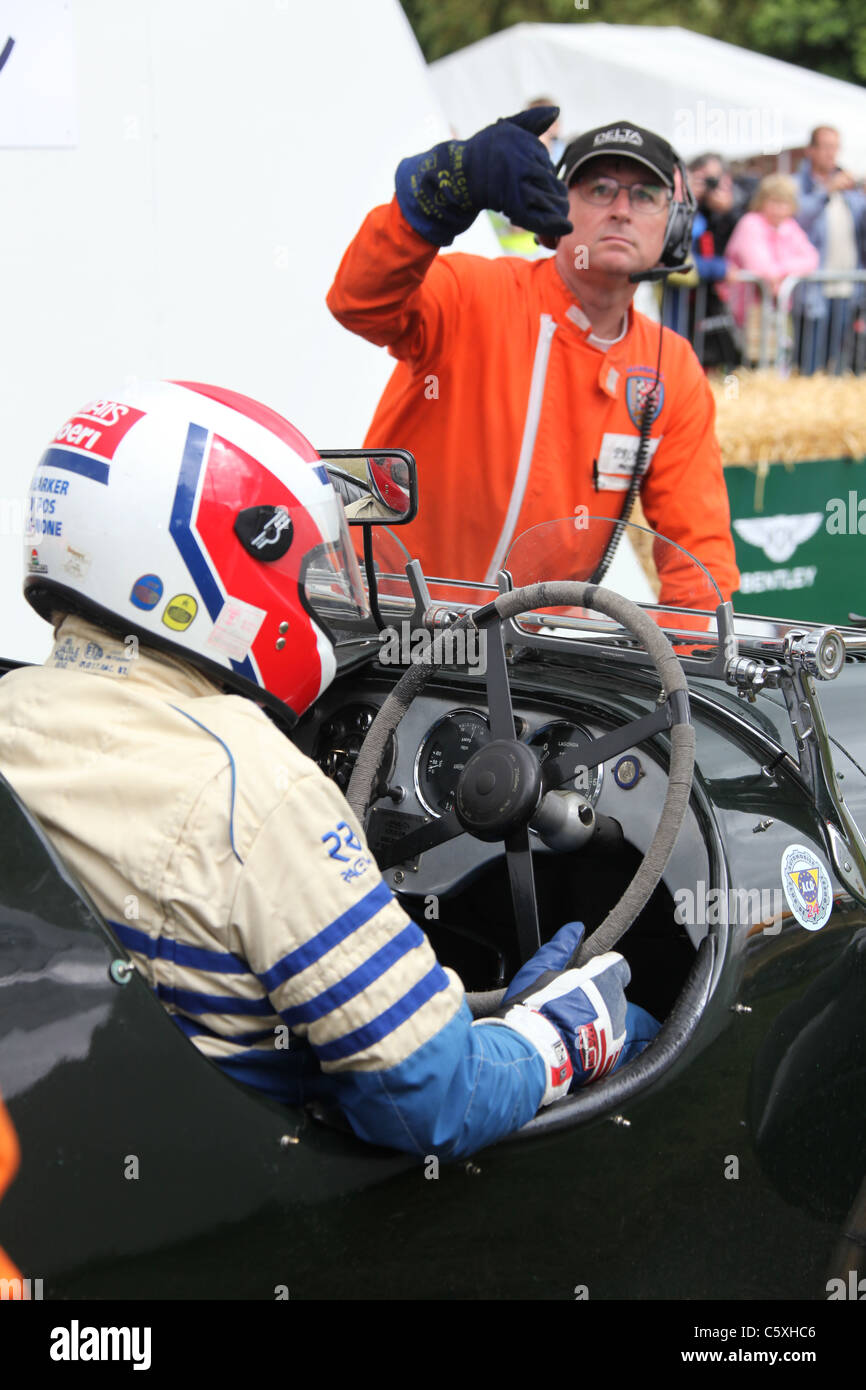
(434, 832)
(591, 752)
(518, 852)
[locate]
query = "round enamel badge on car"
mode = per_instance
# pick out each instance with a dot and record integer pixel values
(807, 887)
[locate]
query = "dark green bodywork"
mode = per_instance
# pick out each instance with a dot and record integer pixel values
(733, 1174)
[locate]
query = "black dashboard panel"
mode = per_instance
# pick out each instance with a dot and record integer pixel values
(629, 790)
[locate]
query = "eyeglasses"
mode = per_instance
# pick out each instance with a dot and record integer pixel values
(601, 192)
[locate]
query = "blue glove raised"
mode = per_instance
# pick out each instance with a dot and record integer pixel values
(579, 1020)
(504, 167)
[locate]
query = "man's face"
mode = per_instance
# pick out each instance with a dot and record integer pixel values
(611, 242)
(824, 153)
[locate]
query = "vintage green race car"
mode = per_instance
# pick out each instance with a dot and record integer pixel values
(727, 1161)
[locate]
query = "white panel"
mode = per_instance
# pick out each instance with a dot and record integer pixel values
(227, 152)
(37, 73)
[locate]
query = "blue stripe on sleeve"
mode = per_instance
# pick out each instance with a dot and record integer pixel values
(194, 1028)
(465, 1088)
(197, 957)
(194, 1002)
(407, 940)
(385, 1023)
(329, 937)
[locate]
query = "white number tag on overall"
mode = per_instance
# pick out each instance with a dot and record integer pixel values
(617, 458)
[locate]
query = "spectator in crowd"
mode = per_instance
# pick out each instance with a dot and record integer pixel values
(832, 212)
(700, 314)
(769, 243)
(551, 138)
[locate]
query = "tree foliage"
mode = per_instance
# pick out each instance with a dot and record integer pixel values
(826, 36)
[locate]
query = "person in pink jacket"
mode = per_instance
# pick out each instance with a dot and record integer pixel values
(768, 242)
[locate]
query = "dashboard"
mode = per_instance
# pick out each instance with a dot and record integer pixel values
(441, 730)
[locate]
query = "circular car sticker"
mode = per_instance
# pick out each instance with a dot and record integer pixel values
(179, 612)
(807, 887)
(146, 591)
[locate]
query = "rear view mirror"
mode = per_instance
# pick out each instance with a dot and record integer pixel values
(376, 486)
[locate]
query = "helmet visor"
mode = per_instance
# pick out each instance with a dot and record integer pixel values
(331, 583)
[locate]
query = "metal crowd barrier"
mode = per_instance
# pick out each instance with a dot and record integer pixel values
(807, 330)
(820, 333)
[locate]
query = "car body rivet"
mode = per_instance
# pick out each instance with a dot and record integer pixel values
(284, 627)
(121, 971)
(621, 1120)
(472, 1169)
(847, 866)
(399, 875)
(741, 1008)
(280, 643)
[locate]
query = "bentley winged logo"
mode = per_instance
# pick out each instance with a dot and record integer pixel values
(778, 536)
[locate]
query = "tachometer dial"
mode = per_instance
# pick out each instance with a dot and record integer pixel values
(443, 755)
(552, 740)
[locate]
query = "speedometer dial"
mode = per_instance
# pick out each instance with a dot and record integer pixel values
(444, 754)
(552, 740)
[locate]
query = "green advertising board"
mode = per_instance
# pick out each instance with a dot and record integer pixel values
(800, 535)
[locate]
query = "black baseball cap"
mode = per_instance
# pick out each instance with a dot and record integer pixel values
(626, 141)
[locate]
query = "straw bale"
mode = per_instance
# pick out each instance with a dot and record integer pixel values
(762, 418)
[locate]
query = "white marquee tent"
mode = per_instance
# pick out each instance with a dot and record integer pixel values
(698, 92)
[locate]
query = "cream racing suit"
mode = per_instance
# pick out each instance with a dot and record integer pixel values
(237, 878)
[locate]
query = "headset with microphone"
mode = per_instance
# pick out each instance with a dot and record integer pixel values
(678, 232)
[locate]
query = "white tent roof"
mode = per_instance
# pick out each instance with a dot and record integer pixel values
(698, 92)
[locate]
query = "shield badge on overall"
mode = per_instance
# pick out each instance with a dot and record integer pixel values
(638, 389)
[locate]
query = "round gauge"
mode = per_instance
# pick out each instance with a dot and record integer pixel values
(339, 743)
(552, 740)
(443, 755)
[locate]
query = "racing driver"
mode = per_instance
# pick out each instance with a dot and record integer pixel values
(190, 550)
(521, 386)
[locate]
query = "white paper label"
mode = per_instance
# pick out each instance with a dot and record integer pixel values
(236, 628)
(617, 458)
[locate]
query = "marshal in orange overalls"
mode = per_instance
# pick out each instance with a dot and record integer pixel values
(515, 418)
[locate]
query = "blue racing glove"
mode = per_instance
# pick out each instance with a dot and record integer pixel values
(504, 167)
(580, 1020)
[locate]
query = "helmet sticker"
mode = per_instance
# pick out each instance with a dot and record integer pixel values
(77, 562)
(146, 591)
(179, 612)
(807, 887)
(88, 440)
(236, 628)
(264, 532)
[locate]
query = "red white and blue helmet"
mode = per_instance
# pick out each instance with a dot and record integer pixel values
(205, 524)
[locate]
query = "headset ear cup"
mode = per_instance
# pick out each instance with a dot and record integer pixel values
(678, 233)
